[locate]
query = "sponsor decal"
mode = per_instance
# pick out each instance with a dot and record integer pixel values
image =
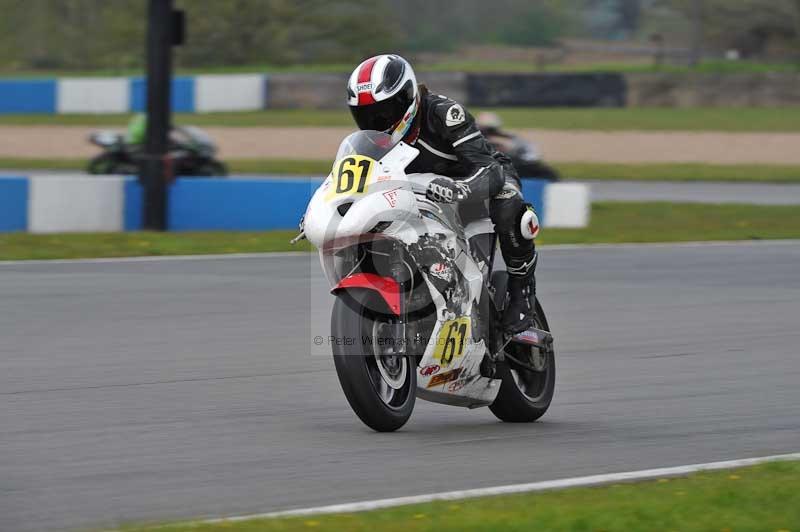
(364, 87)
(444, 378)
(431, 369)
(383, 178)
(460, 383)
(440, 268)
(506, 193)
(391, 197)
(529, 337)
(455, 115)
(455, 386)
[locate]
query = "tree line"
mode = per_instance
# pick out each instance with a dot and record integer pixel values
(109, 34)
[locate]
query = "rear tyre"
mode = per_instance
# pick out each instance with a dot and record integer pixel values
(380, 386)
(525, 395)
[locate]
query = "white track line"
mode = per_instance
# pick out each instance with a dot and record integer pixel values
(159, 258)
(279, 254)
(592, 480)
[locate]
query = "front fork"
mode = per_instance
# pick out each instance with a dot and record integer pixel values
(399, 272)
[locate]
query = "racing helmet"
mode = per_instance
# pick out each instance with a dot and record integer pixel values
(382, 94)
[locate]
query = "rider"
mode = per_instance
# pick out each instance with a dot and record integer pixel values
(137, 128)
(383, 95)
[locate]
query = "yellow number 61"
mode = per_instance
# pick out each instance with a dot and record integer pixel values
(351, 175)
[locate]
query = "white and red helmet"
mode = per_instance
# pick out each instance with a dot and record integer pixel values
(383, 96)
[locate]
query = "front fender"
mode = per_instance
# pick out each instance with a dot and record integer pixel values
(386, 287)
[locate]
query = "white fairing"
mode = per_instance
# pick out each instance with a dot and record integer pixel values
(390, 198)
(395, 203)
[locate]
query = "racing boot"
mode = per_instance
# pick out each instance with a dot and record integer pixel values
(519, 313)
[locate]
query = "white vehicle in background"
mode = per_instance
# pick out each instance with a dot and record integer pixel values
(418, 303)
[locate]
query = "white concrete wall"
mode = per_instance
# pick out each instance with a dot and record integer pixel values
(238, 92)
(92, 95)
(566, 205)
(58, 204)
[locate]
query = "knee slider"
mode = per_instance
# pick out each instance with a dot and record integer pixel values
(529, 223)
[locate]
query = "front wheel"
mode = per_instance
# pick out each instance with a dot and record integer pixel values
(379, 385)
(525, 394)
(110, 163)
(211, 168)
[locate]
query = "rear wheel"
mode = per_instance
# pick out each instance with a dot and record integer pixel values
(525, 393)
(379, 385)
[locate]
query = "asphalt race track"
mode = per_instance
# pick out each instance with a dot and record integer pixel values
(696, 192)
(159, 390)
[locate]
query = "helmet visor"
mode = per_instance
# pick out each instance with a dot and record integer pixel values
(383, 115)
(379, 116)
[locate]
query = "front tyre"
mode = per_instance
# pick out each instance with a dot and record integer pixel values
(380, 386)
(211, 168)
(525, 394)
(110, 163)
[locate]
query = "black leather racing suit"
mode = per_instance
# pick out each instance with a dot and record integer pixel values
(450, 144)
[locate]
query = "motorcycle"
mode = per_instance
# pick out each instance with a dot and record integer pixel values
(191, 153)
(525, 157)
(418, 301)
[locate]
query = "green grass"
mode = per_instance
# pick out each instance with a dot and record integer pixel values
(469, 65)
(618, 222)
(21, 163)
(611, 222)
(744, 119)
(681, 172)
(573, 171)
(570, 171)
(760, 498)
(706, 67)
(24, 246)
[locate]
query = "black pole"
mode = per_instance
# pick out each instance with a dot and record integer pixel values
(696, 50)
(154, 168)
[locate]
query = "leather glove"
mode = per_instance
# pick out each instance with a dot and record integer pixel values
(446, 190)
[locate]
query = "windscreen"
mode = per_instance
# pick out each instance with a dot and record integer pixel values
(372, 144)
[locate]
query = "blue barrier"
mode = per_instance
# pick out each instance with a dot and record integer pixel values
(132, 206)
(182, 94)
(28, 96)
(13, 204)
(533, 191)
(199, 204)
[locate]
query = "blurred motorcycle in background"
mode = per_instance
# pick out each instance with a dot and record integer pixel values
(523, 154)
(191, 151)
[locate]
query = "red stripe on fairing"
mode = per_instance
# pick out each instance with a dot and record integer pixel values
(388, 288)
(364, 75)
